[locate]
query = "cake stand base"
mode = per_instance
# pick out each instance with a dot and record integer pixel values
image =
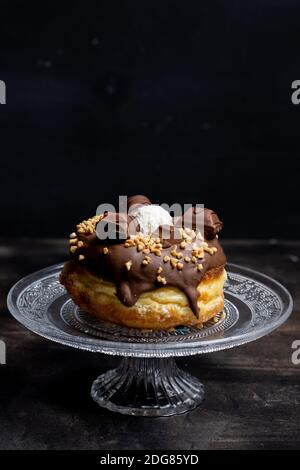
(147, 387)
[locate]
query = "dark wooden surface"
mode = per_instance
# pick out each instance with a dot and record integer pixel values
(252, 392)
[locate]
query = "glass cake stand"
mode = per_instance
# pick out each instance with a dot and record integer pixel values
(148, 382)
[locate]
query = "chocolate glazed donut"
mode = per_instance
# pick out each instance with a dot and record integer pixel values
(136, 267)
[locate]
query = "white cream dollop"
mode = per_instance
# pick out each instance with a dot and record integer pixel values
(151, 217)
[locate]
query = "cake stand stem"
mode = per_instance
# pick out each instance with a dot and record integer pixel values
(147, 387)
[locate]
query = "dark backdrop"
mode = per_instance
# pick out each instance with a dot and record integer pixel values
(183, 101)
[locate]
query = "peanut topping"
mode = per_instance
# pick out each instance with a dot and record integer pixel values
(174, 252)
(88, 226)
(210, 250)
(146, 260)
(105, 250)
(81, 257)
(145, 244)
(129, 243)
(161, 279)
(198, 252)
(128, 265)
(188, 235)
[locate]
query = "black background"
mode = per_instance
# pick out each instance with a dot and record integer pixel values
(183, 101)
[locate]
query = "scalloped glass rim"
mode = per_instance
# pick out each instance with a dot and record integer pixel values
(50, 331)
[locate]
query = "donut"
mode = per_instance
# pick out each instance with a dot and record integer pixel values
(141, 280)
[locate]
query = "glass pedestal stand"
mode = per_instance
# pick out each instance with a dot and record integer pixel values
(148, 382)
(148, 387)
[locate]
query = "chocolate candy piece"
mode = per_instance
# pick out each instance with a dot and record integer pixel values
(212, 223)
(136, 200)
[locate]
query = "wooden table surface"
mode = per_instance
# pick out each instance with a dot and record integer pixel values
(252, 392)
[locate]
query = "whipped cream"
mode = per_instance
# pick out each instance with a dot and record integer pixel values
(150, 217)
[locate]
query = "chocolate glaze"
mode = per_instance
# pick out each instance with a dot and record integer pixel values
(169, 235)
(139, 279)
